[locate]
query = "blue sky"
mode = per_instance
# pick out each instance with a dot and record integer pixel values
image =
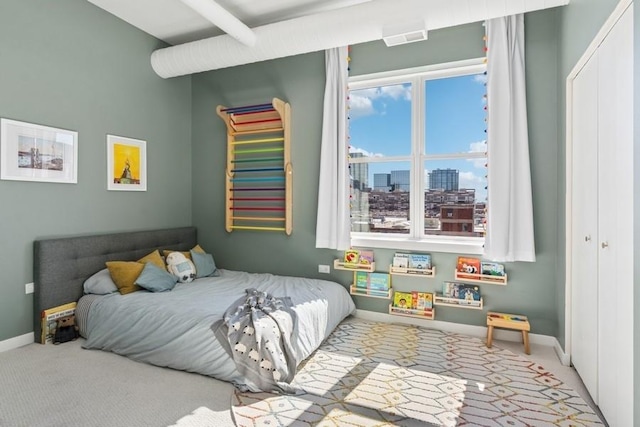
(380, 125)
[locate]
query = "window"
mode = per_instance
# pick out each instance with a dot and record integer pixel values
(418, 163)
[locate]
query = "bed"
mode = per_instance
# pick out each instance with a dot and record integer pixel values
(175, 329)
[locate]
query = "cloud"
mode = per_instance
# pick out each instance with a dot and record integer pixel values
(396, 92)
(478, 147)
(480, 78)
(360, 106)
(361, 101)
(471, 180)
(364, 152)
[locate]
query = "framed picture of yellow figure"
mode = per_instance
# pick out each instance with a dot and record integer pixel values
(126, 164)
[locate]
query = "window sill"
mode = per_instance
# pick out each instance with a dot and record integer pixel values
(468, 245)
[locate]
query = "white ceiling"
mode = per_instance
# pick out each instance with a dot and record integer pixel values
(176, 23)
(213, 34)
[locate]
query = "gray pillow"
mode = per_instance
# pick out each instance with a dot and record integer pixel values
(156, 279)
(205, 266)
(100, 284)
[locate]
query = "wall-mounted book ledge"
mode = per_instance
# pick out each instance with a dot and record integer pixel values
(409, 312)
(481, 278)
(406, 271)
(342, 265)
(259, 175)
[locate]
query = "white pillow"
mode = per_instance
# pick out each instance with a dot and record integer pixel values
(100, 284)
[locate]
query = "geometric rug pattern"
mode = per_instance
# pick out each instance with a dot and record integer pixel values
(381, 374)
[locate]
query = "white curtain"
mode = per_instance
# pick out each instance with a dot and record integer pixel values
(333, 224)
(510, 210)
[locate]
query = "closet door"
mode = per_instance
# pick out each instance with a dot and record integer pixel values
(584, 227)
(615, 224)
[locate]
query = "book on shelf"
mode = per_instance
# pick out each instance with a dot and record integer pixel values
(469, 292)
(419, 261)
(423, 300)
(492, 269)
(372, 281)
(402, 300)
(366, 257)
(50, 318)
(471, 266)
(461, 291)
(351, 258)
(400, 260)
(449, 289)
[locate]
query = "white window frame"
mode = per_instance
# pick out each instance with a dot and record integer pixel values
(417, 240)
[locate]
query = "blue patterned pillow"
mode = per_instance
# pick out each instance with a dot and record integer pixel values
(205, 266)
(156, 279)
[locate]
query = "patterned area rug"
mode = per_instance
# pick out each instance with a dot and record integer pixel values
(379, 374)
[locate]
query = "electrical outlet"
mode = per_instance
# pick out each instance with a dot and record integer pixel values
(322, 268)
(28, 288)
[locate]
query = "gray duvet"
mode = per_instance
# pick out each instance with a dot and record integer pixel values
(173, 329)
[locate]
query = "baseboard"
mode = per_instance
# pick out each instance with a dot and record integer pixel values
(565, 359)
(459, 328)
(16, 342)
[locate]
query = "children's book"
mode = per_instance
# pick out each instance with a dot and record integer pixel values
(468, 265)
(373, 281)
(401, 260)
(492, 268)
(402, 299)
(366, 257)
(379, 281)
(351, 256)
(447, 289)
(50, 318)
(414, 299)
(420, 261)
(450, 289)
(362, 280)
(425, 301)
(468, 292)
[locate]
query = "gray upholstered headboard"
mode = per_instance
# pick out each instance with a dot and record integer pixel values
(61, 265)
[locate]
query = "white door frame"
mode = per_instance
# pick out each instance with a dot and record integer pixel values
(591, 49)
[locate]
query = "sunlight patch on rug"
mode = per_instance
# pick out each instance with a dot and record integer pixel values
(201, 417)
(380, 374)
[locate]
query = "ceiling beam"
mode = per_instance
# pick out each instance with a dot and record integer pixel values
(359, 23)
(223, 19)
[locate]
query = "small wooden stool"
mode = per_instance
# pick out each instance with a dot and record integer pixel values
(508, 321)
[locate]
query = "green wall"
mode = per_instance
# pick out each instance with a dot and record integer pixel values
(300, 81)
(68, 64)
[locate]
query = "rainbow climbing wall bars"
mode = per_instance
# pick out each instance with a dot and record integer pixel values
(259, 172)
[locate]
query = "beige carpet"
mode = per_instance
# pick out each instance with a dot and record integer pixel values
(378, 374)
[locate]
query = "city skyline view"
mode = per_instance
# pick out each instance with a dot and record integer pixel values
(380, 127)
(451, 140)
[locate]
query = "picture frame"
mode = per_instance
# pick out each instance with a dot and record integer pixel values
(33, 152)
(126, 164)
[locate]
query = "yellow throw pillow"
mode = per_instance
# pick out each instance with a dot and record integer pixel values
(187, 254)
(155, 258)
(125, 274)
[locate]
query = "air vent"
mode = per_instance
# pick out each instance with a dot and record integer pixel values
(410, 33)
